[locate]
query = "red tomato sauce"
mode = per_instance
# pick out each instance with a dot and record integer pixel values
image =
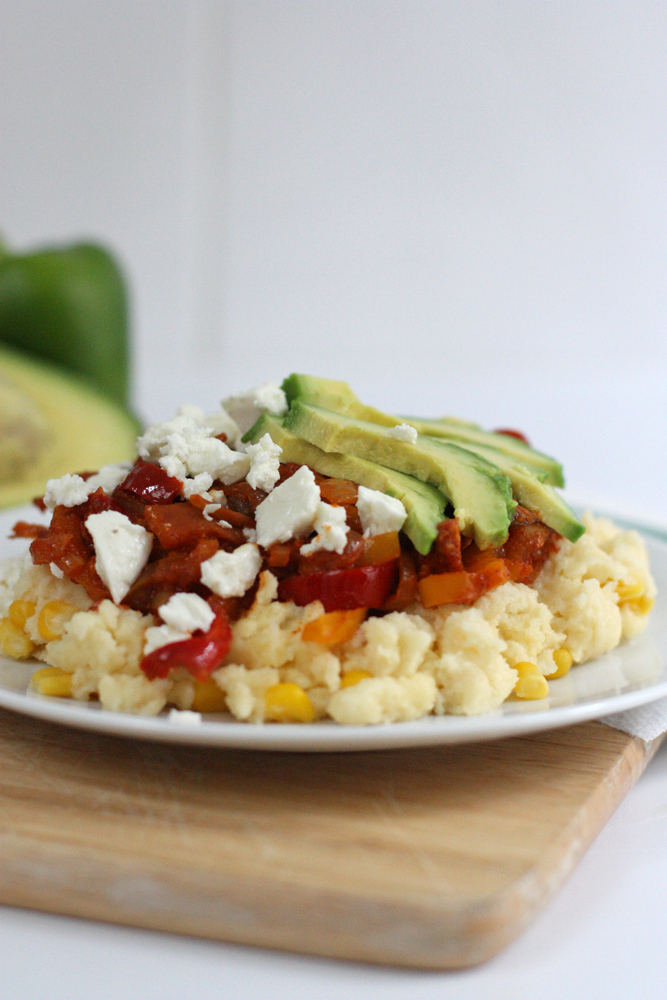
(454, 571)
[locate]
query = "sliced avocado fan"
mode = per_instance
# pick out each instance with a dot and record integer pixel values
(514, 471)
(480, 494)
(531, 491)
(335, 396)
(338, 396)
(545, 468)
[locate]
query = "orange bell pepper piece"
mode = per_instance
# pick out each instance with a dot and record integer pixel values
(447, 588)
(462, 587)
(380, 549)
(333, 626)
(494, 573)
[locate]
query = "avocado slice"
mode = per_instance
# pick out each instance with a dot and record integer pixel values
(545, 467)
(339, 397)
(425, 505)
(532, 492)
(332, 395)
(83, 428)
(480, 493)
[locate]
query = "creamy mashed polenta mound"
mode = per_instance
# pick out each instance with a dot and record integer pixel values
(599, 589)
(590, 596)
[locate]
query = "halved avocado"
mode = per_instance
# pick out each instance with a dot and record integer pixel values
(80, 429)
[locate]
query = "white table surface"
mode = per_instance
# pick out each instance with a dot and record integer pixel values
(601, 937)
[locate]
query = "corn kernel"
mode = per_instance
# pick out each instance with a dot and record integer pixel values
(629, 591)
(525, 668)
(353, 677)
(52, 619)
(642, 605)
(53, 682)
(288, 703)
(563, 661)
(531, 685)
(20, 611)
(13, 641)
(208, 697)
(45, 672)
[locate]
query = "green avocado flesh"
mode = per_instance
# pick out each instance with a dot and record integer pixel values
(547, 468)
(425, 505)
(338, 396)
(74, 429)
(24, 432)
(532, 492)
(480, 494)
(482, 474)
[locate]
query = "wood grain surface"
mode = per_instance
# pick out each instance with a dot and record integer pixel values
(434, 858)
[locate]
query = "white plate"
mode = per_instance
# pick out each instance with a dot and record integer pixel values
(633, 674)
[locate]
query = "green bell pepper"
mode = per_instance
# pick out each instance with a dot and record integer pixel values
(69, 305)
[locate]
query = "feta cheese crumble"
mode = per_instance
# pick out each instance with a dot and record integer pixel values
(187, 612)
(157, 636)
(182, 615)
(219, 422)
(264, 463)
(289, 511)
(197, 486)
(185, 448)
(192, 412)
(69, 491)
(222, 423)
(403, 432)
(231, 574)
(248, 407)
(109, 477)
(379, 513)
(121, 550)
(210, 509)
(330, 525)
(184, 717)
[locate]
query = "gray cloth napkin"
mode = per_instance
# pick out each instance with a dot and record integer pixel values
(647, 722)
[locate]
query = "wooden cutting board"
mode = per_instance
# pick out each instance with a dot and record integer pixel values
(433, 857)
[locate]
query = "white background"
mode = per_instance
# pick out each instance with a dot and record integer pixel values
(457, 207)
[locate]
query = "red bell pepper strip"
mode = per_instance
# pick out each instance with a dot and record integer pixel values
(201, 655)
(342, 589)
(150, 483)
(514, 434)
